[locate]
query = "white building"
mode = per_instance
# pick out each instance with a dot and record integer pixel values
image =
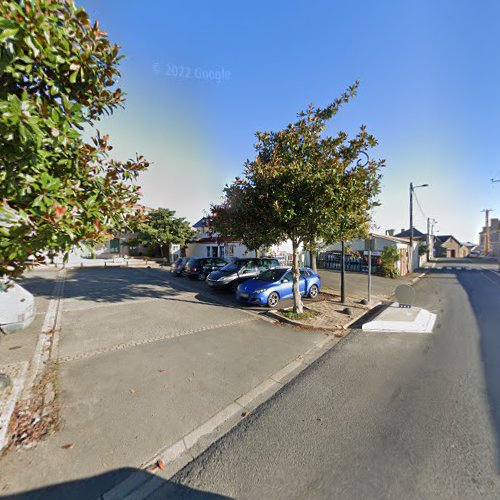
(207, 244)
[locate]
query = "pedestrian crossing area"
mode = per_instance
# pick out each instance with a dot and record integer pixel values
(457, 268)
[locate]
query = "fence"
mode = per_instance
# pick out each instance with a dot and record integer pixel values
(333, 260)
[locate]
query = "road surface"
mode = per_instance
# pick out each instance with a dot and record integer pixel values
(380, 415)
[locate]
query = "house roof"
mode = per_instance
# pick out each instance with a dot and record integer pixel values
(397, 239)
(445, 237)
(201, 223)
(406, 234)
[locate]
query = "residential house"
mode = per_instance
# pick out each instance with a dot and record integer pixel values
(446, 245)
(494, 229)
(209, 244)
(417, 235)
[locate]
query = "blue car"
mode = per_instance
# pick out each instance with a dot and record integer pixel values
(274, 285)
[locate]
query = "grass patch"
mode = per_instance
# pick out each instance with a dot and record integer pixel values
(307, 314)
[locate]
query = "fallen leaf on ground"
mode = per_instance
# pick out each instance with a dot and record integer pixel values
(244, 414)
(161, 464)
(132, 391)
(67, 446)
(162, 371)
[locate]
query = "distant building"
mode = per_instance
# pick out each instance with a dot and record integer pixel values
(329, 256)
(446, 245)
(209, 244)
(417, 235)
(494, 238)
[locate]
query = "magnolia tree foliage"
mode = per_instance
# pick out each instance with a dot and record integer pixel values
(304, 186)
(161, 228)
(58, 74)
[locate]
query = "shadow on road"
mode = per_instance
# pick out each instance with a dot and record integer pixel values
(484, 297)
(96, 486)
(115, 285)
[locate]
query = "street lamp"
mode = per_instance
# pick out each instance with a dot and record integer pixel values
(412, 189)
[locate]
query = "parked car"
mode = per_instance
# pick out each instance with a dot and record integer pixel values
(238, 271)
(276, 284)
(179, 265)
(201, 267)
(474, 254)
(17, 306)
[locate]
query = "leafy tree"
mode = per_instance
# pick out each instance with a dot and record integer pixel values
(390, 257)
(58, 74)
(304, 187)
(237, 218)
(161, 228)
(422, 248)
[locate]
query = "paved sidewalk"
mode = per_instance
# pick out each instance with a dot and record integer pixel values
(144, 359)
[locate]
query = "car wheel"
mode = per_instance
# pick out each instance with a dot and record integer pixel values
(313, 291)
(273, 299)
(201, 276)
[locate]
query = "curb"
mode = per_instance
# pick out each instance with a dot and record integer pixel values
(7, 409)
(275, 315)
(44, 355)
(194, 443)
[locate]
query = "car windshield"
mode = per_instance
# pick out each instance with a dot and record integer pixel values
(234, 267)
(272, 275)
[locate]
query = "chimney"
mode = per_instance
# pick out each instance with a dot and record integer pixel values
(402, 230)
(390, 232)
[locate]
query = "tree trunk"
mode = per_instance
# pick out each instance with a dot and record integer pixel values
(312, 257)
(161, 250)
(168, 252)
(342, 274)
(298, 308)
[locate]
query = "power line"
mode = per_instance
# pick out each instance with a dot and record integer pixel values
(419, 206)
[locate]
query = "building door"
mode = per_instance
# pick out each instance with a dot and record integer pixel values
(215, 251)
(452, 252)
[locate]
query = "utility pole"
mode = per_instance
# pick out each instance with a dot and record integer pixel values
(430, 239)
(410, 259)
(487, 227)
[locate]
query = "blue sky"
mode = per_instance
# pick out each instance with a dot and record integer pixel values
(430, 82)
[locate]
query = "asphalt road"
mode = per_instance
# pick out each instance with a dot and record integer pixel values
(379, 416)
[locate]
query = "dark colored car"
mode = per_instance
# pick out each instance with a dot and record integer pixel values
(201, 267)
(238, 271)
(178, 265)
(276, 284)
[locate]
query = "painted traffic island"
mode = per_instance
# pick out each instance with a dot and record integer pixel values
(327, 312)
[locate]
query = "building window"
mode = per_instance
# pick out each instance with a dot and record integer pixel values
(208, 251)
(221, 252)
(231, 250)
(114, 245)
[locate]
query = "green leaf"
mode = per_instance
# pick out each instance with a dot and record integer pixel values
(8, 33)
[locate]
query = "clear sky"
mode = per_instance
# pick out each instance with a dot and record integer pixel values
(202, 77)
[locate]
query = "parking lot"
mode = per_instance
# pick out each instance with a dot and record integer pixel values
(144, 358)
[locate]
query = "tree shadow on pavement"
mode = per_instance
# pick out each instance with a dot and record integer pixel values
(484, 297)
(97, 486)
(106, 284)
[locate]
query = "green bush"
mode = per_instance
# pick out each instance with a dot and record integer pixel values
(390, 257)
